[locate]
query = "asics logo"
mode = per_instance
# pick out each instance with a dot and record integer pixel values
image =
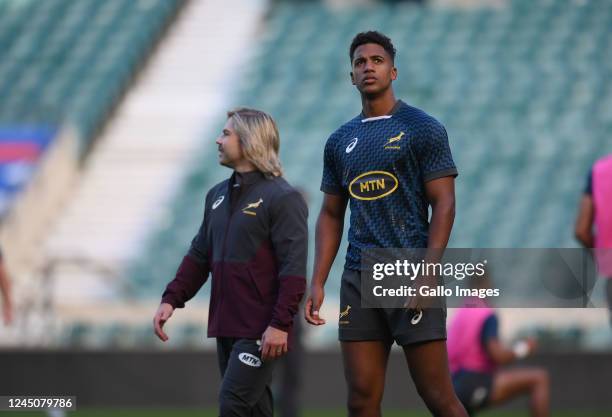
(417, 317)
(217, 202)
(352, 145)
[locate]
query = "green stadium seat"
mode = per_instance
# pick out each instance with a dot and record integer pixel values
(72, 59)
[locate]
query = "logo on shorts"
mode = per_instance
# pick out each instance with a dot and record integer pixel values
(394, 139)
(344, 314)
(247, 209)
(249, 359)
(417, 317)
(352, 145)
(478, 396)
(373, 185)
(217, 202)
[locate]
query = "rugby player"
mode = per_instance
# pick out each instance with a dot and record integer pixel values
(392, 162)
(476, 355)
(595, 212)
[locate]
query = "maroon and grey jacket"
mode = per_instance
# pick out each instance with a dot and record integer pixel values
(255, 243)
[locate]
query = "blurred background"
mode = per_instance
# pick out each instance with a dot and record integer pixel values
(108, 114)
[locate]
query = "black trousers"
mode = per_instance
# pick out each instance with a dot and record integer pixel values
(245, 388)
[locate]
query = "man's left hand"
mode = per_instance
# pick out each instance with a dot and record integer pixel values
(273, 343)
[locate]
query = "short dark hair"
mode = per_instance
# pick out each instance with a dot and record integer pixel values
(372, 36)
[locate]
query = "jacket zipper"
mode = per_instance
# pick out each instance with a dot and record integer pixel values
(232, 211)
(223, 284)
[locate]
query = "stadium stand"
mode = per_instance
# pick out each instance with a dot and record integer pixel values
(66, 59)
(65, 66)
(65, 63)
(60, 63)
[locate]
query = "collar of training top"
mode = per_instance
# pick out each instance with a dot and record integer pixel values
(246, 178)
(395, 108)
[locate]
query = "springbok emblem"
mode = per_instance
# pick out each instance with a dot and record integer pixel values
(254, 205)
(395, 139)
(345, 313)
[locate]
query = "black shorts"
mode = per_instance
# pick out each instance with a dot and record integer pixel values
(401, 325)
(473, 389)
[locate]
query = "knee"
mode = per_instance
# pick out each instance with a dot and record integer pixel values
(438, 401)
(363, 397)
(230, 404)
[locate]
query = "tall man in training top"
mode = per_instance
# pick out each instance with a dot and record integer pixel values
(392, 162)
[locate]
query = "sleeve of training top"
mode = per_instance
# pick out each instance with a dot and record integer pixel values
(588, 189)
(193, 270)
(433, 151)
(331, 181)
(489, 330)
(289, 235)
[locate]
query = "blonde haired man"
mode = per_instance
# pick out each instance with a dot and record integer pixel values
(253, 240)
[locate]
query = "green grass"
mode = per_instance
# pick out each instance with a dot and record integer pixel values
(321, 413)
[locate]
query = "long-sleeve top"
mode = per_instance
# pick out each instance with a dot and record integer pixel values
(254, 241)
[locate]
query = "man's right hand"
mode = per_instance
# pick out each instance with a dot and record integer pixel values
(313, 305)
(164, 312)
